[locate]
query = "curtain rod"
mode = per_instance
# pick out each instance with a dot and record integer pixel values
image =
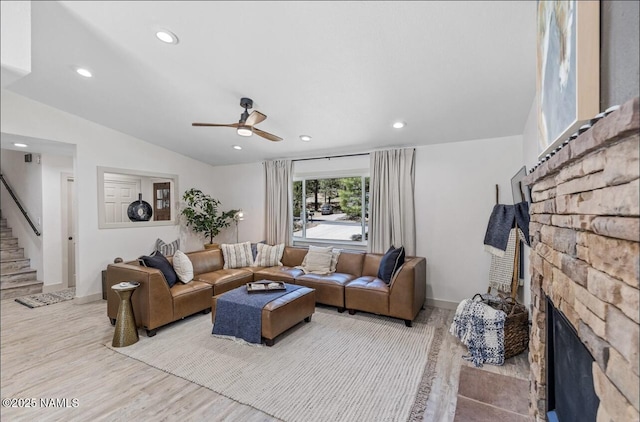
(333, 156)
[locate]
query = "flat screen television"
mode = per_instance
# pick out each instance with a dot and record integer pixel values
(520, 191)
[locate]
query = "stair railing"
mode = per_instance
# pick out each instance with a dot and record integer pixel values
(17, 201)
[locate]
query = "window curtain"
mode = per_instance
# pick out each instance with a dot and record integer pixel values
(278, 200)
(392, 218)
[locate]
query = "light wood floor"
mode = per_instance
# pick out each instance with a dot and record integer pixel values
(58, 352)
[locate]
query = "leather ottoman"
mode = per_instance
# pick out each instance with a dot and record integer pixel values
(283, 313)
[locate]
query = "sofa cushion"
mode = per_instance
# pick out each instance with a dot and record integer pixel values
(367, 293)
(157, 260)
(269, 256)
(237, 255)
(167, 249)
(286, 274)
(183, 266)
(329, 288)
(226, 279)
(391, 261)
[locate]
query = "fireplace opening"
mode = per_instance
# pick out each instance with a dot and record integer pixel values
(570, 392)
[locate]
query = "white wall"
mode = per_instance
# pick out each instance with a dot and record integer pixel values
(242, 187)
(100, 146)
(455, 194)
(26, 182)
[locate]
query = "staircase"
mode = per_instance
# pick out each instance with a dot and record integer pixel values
(17, 278)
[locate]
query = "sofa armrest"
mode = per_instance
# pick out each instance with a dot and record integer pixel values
(152, 300)
(408, 288)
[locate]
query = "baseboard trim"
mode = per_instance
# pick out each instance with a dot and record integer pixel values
(81, 300)
(445, 304)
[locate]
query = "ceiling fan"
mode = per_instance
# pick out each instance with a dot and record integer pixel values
(246, 125)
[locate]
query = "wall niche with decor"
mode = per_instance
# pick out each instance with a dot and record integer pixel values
(134, 198)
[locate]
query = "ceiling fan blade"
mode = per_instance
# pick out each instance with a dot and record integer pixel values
(215, 124)
(254, 118)
(266, 135)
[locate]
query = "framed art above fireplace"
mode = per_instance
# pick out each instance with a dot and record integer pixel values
(568, 69)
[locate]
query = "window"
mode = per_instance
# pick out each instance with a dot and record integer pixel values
(332, 209)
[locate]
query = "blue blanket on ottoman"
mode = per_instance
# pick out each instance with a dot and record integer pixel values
(239, 313)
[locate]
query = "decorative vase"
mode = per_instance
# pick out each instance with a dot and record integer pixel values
(212, 246)
(139, 210)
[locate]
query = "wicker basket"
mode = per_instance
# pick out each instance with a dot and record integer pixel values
(516, 325)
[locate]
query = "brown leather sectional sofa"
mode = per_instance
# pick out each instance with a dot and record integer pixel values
(354, 286)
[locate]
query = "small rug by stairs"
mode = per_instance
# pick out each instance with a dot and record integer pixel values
(43, 299)
(337, 367)
(487, 397)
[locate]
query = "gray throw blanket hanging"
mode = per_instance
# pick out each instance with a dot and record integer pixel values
(502, 220)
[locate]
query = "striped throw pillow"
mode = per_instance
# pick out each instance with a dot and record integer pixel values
(269, 256)
(167, 249)
(237, 255)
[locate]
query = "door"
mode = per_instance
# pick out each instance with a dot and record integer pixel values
(162, 201)
(118, 194)
(71, 234)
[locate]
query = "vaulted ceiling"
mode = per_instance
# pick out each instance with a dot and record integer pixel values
(340, 72)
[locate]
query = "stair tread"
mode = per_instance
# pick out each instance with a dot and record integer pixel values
(14, 260)
(18, 284)
(21, 271)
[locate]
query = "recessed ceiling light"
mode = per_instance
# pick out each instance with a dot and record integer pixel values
(238, 147)
(305, 138)
(20, 145)
(83, 72)
(399, 125)
(167, 36)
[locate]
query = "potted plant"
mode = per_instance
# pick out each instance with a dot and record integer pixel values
(202, 216)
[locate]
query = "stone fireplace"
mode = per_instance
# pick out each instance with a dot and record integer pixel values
(585, 230)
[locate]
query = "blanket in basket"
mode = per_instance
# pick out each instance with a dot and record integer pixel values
(481, 329)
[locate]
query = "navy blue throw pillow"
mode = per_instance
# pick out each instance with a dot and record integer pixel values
(391, 261)
(254, 249)
(157, 260)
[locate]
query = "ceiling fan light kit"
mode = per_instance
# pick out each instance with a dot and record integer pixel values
(244, 131)
(247, 122)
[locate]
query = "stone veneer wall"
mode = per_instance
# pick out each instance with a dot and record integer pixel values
(585, 229)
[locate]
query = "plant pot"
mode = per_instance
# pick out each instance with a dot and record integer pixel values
(212, 246)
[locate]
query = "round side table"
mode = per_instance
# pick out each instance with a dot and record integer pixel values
(126, 332)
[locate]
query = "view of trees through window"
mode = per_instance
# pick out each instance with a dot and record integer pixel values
(332, 209)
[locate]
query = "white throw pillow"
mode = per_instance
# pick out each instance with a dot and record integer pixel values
(318, 262)
(269, 256)
(237, 255)
(335, 254)
(183, 266)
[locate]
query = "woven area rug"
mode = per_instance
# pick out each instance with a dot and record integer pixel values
(44, 299)
(338, 367)
(487, 397)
